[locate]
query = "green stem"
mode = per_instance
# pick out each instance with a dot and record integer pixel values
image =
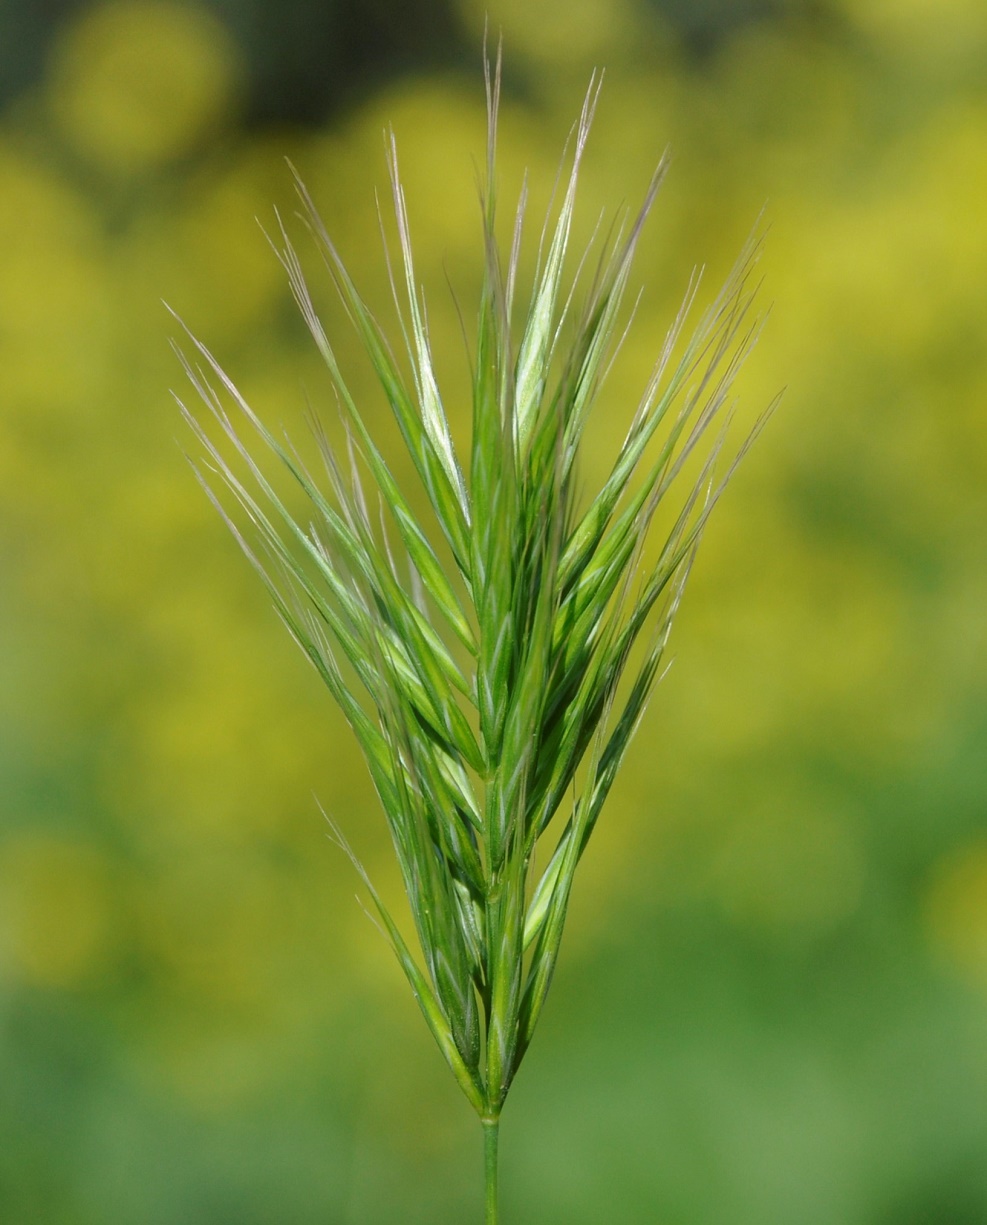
(491, 1134)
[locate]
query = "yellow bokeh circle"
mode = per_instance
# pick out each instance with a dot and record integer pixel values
(134, 85)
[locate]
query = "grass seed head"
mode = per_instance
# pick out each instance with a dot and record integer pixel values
(494, 697)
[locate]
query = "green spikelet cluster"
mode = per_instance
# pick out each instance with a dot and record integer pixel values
(494, 697)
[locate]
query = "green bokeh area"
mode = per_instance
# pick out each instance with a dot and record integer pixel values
(772, 1003)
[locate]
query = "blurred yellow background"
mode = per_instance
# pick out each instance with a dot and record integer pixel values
(772, 1007)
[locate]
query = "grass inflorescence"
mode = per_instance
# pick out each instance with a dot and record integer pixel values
(495, 693)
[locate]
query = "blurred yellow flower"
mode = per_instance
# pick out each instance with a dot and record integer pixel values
(566, 34)
(134, 85)
(53, 308)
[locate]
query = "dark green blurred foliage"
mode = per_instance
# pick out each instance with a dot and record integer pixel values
(306, 59)
(773, 1006)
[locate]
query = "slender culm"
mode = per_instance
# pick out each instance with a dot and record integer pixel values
(495, 655)
(491, 1139)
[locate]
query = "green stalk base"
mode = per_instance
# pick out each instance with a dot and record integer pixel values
(491, 1135)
